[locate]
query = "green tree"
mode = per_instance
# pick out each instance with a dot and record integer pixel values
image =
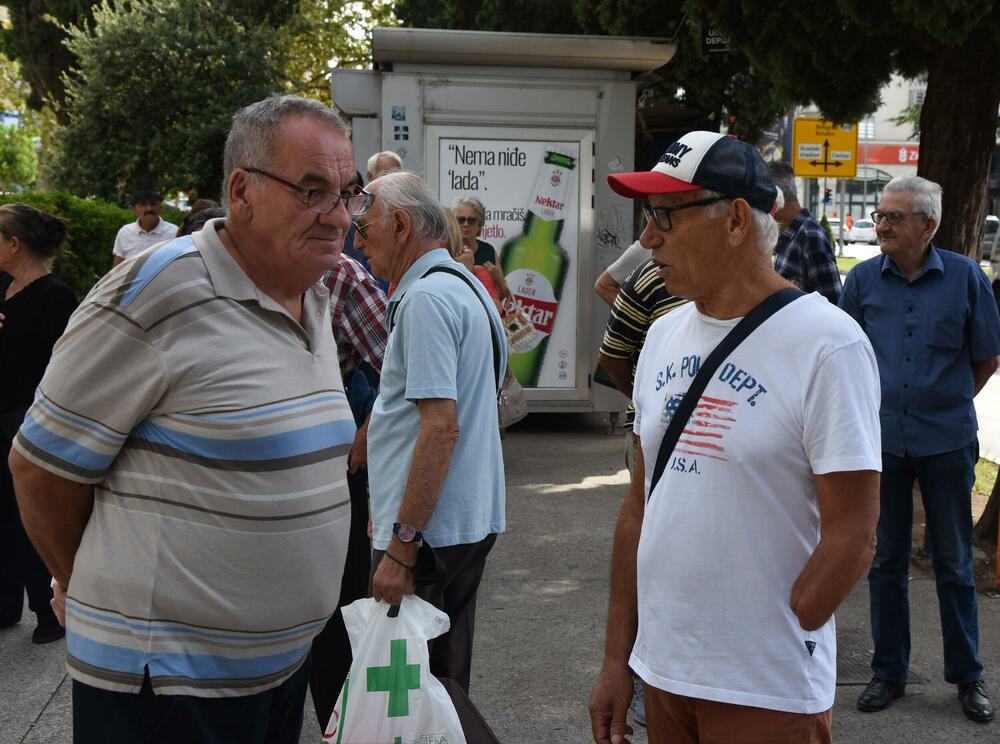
(37, 29)
(726, 87)
(18, 161)
(842, 56)
(325, 33)
(153, 94)
(34, 38)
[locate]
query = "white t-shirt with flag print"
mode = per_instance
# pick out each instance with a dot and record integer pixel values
(735, 517)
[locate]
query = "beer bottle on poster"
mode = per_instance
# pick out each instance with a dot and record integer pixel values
(535, 265)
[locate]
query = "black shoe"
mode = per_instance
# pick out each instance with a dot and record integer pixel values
(879, 694)
(48, 630)
(9, 621)
(975, 702)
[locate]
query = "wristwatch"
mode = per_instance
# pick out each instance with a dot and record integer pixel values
(407, 533)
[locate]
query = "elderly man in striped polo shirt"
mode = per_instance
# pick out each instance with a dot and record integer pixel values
(182, 471)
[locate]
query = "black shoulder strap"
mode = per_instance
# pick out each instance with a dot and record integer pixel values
(734, 338)
(493, 337)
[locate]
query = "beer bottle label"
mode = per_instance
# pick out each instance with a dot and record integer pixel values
(535, 296)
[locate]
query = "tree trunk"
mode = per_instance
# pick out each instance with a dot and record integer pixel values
(958, 127)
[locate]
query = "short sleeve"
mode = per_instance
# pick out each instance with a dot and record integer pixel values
(626, 263)
(432, 333)
(629, 321)
(102, 380)
(841, 430)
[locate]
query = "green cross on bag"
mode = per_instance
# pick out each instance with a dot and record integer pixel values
(397, 679)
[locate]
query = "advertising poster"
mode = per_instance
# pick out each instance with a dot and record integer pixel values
(530, 190)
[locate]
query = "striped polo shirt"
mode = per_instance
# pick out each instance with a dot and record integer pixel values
(215, 431)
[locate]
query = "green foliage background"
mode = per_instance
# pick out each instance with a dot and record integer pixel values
(154, 92)
(90, 236)
(18, 162)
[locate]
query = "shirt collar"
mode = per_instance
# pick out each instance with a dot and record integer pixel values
(418, 268)
(933, 262)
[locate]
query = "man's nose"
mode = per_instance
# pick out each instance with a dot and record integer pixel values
(339, 216)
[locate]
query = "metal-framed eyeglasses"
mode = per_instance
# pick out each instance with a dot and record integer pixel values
(363, 229)
(893, 218)
(661, 215)
(357, 200)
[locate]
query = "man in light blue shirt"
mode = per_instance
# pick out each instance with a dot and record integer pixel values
(932, 320)
(434, 459)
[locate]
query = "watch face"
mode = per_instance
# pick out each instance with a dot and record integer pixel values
(406, 532)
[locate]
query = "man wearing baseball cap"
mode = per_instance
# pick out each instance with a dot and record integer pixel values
(147, 230)
(725, 576)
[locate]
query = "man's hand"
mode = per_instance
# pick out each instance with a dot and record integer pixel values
(848, 515)
(358, 456)
(58, 602)
(391, 580)
(609, 704)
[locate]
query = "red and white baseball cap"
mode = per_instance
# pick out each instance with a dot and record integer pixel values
(704, 160)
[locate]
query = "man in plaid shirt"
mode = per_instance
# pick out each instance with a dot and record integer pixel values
(358, 316)
(804, 254)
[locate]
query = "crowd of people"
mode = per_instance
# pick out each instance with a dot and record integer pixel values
(288, 403)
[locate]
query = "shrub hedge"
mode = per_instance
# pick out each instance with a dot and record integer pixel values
(92, 227)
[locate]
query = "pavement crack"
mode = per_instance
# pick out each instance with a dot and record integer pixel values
(41, 713)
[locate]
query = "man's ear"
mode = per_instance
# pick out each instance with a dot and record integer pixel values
(402, 226)
(929, 227)
(236, 191)
(739, 221)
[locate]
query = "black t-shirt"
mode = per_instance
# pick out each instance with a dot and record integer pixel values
(35, 318)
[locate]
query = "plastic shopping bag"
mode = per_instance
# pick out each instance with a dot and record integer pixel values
(390, 696)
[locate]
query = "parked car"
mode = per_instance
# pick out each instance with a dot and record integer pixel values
(991, 236)
(862, 231)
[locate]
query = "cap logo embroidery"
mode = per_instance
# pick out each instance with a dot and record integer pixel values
(674, 154)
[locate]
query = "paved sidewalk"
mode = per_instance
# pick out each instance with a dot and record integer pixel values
(541, 617)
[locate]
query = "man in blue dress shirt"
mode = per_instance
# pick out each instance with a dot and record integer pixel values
(932, 320)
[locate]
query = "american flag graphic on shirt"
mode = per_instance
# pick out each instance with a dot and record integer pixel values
(706, 430)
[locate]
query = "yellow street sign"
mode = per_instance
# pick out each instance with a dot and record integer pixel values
(821, 149)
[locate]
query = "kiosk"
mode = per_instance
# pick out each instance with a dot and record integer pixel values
(530, 124)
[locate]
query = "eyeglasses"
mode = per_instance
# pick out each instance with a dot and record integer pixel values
(467, 220)
(323, 202)
(893, 218)
(661, 215)
(363, 229)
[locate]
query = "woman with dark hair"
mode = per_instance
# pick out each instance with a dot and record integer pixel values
(34, 308)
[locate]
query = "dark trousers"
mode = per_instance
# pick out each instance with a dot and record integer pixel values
(20, 567)
(451, 653)
(331, 649)
(270, 717)
(946, 487)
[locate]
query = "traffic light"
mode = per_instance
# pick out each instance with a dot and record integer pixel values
(826, 196)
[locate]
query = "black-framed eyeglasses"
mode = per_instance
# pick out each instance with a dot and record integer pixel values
(893, 218)
(661, 215)
(323, 202)
(469, 220)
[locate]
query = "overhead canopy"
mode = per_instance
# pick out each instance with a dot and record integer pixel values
(501, 49)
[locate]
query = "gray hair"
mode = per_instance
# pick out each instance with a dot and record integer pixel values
(471, 201)
(373, 160)
(250, 142)
(925, 195)
(765, 228)
(783, 176)
(405, 191)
